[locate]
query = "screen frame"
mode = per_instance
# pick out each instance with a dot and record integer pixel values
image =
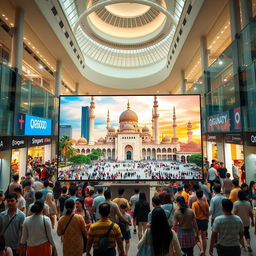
(132, 180)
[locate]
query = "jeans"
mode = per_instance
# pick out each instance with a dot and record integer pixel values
(228, 250)
(109, 252)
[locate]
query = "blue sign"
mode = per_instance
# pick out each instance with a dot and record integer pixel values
(37, 126)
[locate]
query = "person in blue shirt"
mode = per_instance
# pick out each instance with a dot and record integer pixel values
(46, 189)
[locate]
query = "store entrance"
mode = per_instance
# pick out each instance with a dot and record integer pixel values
(36, 153)
(234, 154)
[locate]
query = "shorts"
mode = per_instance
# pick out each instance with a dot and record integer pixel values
(202, 225)
(247, 233)
(127, 235)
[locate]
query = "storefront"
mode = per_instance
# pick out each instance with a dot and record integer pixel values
(214, 147)
(250, 155)
(40, 148)
(234, 152)
(19, 155)
(5, 162)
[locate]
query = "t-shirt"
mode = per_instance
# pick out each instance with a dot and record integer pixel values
(243, 209)
(227, 183)
(212, 174)
(234, 194)
(201, 210)
(222, 172)
(133, 200)
(185, 220)
(88, 202)
(45, 191)
(121, 200)
(185, 195)
(12, 186)
(114, 210)
(29, 196)
(228, 228)
(21, 203)
(98, 229)
(96, 203)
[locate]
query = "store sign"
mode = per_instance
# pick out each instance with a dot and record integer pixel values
(37, 126)
(237, 119)
(19, 142)
(250, 138)
(214, 137)
(233, 138)
(39, 141)
(219, 123)
(5, 143)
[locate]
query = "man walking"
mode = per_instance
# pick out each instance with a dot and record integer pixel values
(212, 175)
(216, 203)
(96, 202)
(104, 227)
(222, 171)
(133, 200)
(229, 230)
(11, 222)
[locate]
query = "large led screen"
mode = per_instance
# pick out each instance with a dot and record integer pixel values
(130, 138)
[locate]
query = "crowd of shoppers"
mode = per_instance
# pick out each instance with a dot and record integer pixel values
(89, 219)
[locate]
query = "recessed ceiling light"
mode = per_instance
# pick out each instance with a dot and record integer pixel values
(40, 66)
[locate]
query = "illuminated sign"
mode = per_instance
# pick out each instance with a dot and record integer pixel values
(219, 123)
(37, 126)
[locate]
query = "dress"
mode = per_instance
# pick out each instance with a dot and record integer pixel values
(73, 239)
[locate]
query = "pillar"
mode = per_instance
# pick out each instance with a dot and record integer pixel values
(58, 77)
(204, 62)
(77, 89)
(246, 11)
(156, 116)
(234, 12)
(17, 40)
(182, 82)
(92, 117)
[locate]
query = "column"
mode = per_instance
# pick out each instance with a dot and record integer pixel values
(183, 82)
(246, 11)
(92, 117)
(58, 77)
(17, 40)
(204, 62)
(77, 89)
(234, 12)
(156, 116)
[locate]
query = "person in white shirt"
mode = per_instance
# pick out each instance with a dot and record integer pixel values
(37, 184)
(133, 200)
(21, 204)
(37, 233)
(46, 210)
(235, 171)
(212, 175)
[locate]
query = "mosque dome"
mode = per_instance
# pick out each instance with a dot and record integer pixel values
(111, 129)
(145, 129)
(72, 141)
(101, 139)
(166, 139)
(82, 140)
(128, 115)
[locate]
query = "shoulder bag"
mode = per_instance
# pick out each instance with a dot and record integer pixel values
(10, 221)
(103, 243)
(202, 210)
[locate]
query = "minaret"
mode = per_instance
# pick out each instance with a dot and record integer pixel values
(174, 126)
(108, 121)
(128, 105)
(153, 134)
(92, 117)
(190, 133)
(155, 117)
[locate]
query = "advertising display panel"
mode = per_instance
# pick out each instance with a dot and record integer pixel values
(135, 137)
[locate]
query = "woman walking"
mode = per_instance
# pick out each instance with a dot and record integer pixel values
(37, 233)
(71, 226)
(141, 212)
(52, 208)
(163, 240)
(187, 226)
(80, 209)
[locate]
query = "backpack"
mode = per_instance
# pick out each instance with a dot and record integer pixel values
(103, 242)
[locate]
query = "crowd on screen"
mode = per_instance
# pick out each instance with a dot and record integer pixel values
(155, 170)
(89, 220)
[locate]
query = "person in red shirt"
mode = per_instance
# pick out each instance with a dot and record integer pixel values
(88, 201)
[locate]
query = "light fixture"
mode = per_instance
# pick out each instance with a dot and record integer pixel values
(220, 62)
(225, 80)
(67, 90)
(40, 66)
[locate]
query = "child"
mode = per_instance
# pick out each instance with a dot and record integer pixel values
(125, 228)
(2, 205)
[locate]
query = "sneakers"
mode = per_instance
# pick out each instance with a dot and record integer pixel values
(134, 231)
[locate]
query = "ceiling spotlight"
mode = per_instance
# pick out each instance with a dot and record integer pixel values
(67, 90)
(220, 62)
(40, 66)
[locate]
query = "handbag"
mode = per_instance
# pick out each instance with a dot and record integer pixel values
(146, 248)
